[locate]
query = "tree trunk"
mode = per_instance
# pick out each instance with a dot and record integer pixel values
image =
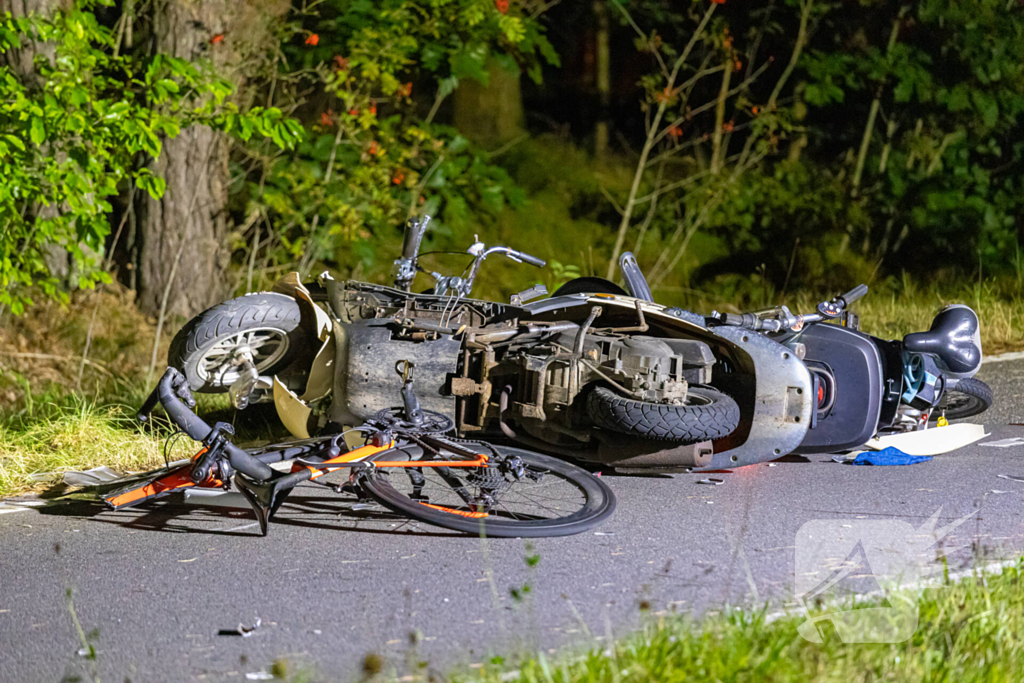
(190, 223)
(604, 89)
(493, 113)
(21, 62)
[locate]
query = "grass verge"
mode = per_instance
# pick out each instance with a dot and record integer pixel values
(73, 436)
(890, 310)
(967, 631)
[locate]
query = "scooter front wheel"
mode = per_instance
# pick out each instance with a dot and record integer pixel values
(266, 325)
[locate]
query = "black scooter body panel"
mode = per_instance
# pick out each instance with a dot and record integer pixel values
(858, 367)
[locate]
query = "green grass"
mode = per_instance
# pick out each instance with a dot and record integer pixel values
(59, 432)
(968, 631)
(890, 310)
(73, 435)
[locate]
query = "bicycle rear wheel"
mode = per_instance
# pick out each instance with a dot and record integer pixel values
(517, 494)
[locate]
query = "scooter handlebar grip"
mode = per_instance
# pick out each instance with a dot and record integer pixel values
(532, 260)
(414, 232)
(854, 294)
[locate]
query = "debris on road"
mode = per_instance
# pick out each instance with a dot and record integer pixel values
(246, 631)
(1010, 477)
(931, 441)
(886, 457)
(259, 676)
(1005, 443)
(94, 477)
(242, 630)
(712, 482)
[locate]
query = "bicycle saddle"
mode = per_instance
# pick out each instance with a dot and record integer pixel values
(954, 340)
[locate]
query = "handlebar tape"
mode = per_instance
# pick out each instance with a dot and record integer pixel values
(148, 406)
(854, 294)
(197, 429)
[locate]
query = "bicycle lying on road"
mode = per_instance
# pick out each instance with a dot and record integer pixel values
(406, 463)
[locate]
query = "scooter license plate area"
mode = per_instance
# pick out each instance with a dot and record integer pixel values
(857, 368)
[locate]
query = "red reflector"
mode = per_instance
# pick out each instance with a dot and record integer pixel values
(821, 394)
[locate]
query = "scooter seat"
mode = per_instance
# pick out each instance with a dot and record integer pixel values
(954, 340)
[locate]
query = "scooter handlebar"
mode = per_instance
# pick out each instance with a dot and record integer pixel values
(854, 294)
(526, 258)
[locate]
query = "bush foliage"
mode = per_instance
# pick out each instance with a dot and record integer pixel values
(809, 143)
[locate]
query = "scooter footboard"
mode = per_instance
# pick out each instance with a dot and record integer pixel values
(777, 419)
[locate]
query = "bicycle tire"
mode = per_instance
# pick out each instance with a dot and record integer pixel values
(598, 506)
(969, 397)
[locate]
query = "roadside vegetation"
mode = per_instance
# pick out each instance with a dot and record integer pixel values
(968, 631)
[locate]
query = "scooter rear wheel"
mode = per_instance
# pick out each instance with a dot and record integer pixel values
(707, 414)
(969, 397)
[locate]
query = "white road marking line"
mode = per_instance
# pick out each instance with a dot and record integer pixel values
(1000, 357)
(4, 510)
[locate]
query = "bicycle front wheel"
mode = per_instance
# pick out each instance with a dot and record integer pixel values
(516, 494)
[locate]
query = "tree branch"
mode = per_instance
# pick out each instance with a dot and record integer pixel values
(649, 142)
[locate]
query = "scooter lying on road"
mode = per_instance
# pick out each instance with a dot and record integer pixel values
(595, 373)
(408, 463)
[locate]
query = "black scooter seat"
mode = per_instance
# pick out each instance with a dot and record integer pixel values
(952, 339)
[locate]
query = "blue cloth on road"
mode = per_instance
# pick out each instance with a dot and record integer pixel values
(889, 456)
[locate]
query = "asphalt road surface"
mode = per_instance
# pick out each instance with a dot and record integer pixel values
(158, 592)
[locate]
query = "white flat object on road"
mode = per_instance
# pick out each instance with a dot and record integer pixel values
(934, 441)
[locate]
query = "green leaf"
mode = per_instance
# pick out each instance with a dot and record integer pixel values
(37, 133)
(168, 85)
